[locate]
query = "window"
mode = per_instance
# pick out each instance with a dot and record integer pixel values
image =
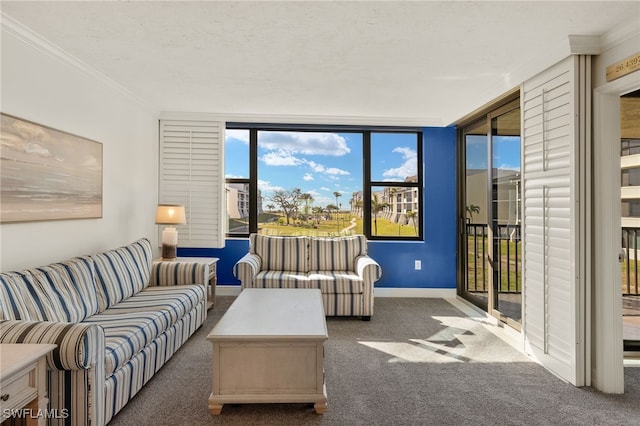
(308, 180)
(631, 208)
(629, 147)
(631, 177)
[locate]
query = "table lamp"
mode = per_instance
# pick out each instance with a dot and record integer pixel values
(170, 214)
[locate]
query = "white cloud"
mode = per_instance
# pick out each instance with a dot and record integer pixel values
(237, 134)
(324, 188)
(408, 167)
(286, 158)
(280, 158)
(265, 186)
(319, 168)
(505, 166)
(336, 171)
(308, 143)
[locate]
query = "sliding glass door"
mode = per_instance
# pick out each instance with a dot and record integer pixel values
(475, 239)
(490, 227)
(506, 249)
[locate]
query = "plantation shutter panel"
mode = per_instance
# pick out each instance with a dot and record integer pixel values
(554, 135)
(192, 174)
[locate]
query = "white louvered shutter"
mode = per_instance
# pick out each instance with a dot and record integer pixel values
(553, 137)
(192, 173)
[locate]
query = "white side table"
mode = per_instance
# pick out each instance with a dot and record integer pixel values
(23, 382)
(211, 262)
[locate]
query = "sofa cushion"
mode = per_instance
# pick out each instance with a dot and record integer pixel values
(63, 291)
(281, 279)
(122, 272)
(73, 288)
(21, 298)
(280, 253)
(336, 282)
(173, 301)
(135, 322)
(336, 254)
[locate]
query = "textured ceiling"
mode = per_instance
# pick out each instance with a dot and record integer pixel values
(428, 61)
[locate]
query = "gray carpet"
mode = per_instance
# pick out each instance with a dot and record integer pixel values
(418, 362)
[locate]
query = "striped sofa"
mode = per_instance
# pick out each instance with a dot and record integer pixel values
(116, 318)
(339, 267)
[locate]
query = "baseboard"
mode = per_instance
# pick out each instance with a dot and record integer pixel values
(445, 293)
(227, 290)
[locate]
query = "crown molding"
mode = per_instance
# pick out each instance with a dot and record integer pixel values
(303, 119)
(596, 44)
(620, 34)
(14, 28)
(585, 44)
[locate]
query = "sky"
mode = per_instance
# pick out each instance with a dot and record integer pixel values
(320, 163)
(506, 152)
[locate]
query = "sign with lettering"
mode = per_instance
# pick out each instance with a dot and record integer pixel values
(624, 67)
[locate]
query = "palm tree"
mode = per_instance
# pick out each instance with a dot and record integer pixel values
(392, 207)
(411, 215)
(376, 207)
(471, 210)
(358, 206)
(307, 198)
(337, 194)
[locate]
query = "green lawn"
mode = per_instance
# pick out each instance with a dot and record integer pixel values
(510, 265)
(332, 227)
(629, 274)
(478, 271)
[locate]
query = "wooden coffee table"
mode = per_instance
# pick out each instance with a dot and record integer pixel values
(269, 347)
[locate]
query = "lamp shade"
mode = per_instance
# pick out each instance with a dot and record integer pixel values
(170, 214)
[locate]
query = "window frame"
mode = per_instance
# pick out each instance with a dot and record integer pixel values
(367, 182)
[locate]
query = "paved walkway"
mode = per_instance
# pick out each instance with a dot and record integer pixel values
(350, 227)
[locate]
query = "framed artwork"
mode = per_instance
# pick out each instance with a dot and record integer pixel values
(47, 174)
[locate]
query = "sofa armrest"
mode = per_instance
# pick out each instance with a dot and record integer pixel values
(179, 273)
(247, 268)
(79, 345)
(368, 269)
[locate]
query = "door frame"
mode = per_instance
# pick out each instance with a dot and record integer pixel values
(493, 293)
(506, 103)
(607, 342)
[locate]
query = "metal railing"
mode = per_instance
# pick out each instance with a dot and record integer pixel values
(507, 261)
(509, 265)
(629, 265)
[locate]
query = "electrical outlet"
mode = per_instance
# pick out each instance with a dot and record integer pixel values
(418, 265)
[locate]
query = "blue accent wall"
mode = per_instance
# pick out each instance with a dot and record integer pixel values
(438, 250)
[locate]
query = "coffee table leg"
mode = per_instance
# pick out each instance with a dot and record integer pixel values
(215, 408)
(320, 406)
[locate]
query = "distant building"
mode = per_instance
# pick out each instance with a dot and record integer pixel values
(238, 200)
(630, 164)
(630, 173)
(507, 199)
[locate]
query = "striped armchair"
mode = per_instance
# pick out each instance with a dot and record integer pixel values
(115, 317)
(339, 267)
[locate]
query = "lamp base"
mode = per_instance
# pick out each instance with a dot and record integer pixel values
(169, 252)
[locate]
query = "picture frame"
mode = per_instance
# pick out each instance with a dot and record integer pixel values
(47, 174)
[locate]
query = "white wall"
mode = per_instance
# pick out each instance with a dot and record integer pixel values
(40, 86)
(619, 45)
(606, 316)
